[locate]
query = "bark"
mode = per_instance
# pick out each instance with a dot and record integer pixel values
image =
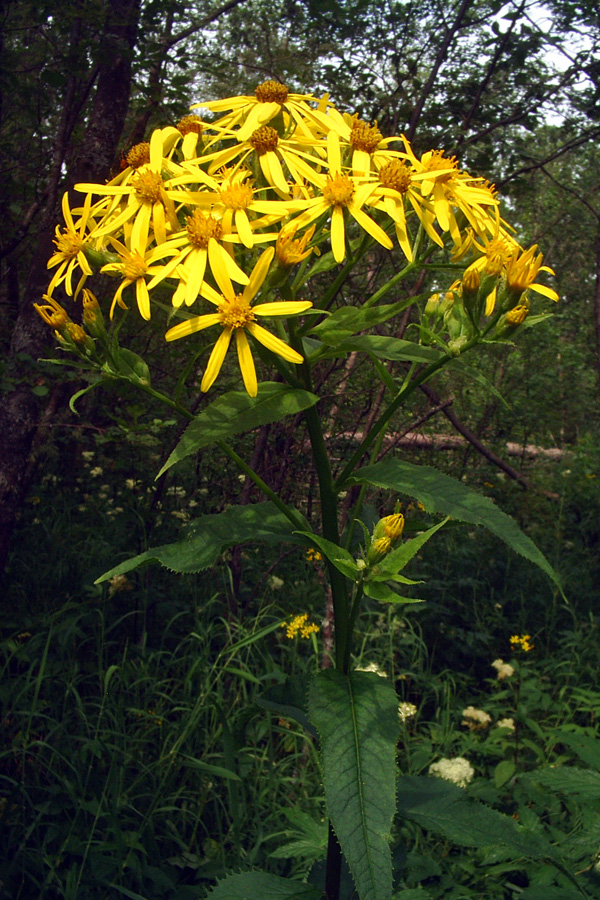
(21, 410)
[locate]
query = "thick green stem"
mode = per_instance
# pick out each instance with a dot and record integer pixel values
(329, 521)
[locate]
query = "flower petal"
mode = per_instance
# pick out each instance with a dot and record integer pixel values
(246, 362)
(273, 343)
(215, 361)
(191, 326)
(259, 273)
(282, 308)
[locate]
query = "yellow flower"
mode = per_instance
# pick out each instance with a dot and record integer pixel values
(271, 150)
(70, 248)
(299, 624)
(202, 240)
(291, 250)
(150, 199)
(236, 316)
(393, 526)
(133, 267)
(522, 269)
(394, 185)
(522, 642)
(53, 314)
(339, 192)
(270, 99)
(448, 188)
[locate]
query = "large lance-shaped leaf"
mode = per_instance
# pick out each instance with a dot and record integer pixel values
(444, 808)
(262, 886)
(235, 412)
(356, 716)
(205, 539)
(443, 494)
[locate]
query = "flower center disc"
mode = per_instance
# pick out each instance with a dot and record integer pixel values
(201, 229)
(236, 196)
(190, 124)
(139, 155)
(338, 191)
(69, 244)
(395, 175)
(271, 92)
(148, 186)
(135, 267)
(236, 313)
(365, 137)
(264, 139)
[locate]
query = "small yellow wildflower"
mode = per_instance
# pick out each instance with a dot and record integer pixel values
(522, 642)
(299, 625)
(313, 555)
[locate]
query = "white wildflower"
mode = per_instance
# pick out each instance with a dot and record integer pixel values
(407, 711)
(507, 723)
(372, 667)
(275, 583)
(504, 670)
(458, 770)
(96, 471)
(475, 719)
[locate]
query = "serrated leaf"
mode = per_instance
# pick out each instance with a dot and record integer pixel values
(262, 886)
(443, 494)
(236, 412)
(569, 780)
(444, 808)
(205, 539)
(587, 748)
(356, 716)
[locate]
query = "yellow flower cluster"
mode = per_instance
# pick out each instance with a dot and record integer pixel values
(299, 625)
(522, 642)
(192, 208)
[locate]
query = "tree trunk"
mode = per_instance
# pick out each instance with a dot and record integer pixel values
(21, 409)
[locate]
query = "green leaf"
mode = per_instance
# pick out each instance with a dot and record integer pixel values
(79, 394)
(385, 594)
(194, 763)
(397, 559)
(391, 348)
(129, 365)
(348, 320)
(442, 494)
(587, 748)
(205, 539)
(356, 716)
(262, 886)
(337, 556)
(569, 780)
(444, 808)
(289, 700)
(236, 412)
(503, 772)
